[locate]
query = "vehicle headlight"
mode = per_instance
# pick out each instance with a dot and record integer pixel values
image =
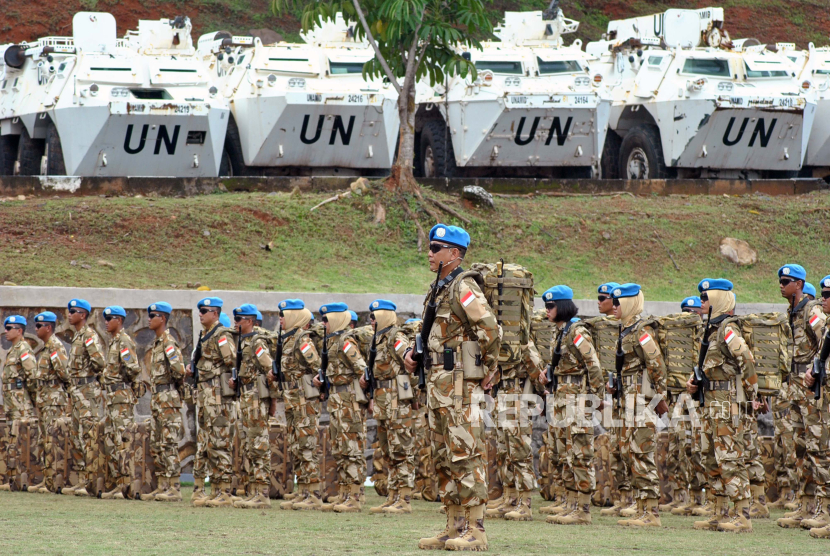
(122, 92)
(697, 84)
(725, 86)
(806, 85)
(513, 82)
(296, 83)
(272, 80)
(582, 82)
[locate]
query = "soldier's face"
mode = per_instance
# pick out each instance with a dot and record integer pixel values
(43, 330)
(445, 254)
(789, 287)
(825, 300)
(113, 324)
(551, 311)
(208, 317)
(13, 333)
(156, 321)
(76, 316)
(617, 312)
(605, 305)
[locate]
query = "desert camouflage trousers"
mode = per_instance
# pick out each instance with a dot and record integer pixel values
(166, 432)
(18, 407)
(756, 473)
(86, 416)
(348, 438)
(811, 424)
(514, 430)
(457, 437)
(48, 423)
(678, 460)
(216, 421)
(303, 437)
(724, 450)
(698, 479)
(253, 413)
(425, 466)
(619, 466)
(639, 442)
(118, 442)
(397, 444)
(556, 439)
(785, 459)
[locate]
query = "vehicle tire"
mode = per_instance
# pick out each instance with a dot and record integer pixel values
(437, 159)
(8, 154)
(641, 155)
(55, 165)
(235, 163)
(29, 154)
(609, 164)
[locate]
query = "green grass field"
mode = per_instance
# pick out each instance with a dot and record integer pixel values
(48, 524)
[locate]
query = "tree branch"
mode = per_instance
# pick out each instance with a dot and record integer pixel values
(374, 44)
(448, 210)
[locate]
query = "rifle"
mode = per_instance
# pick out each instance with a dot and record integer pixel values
(194, 360)
(324, 366)
(700, 380)
(235, 370)
(500, 290)
(819, 371)
(276, 365)
(370, 368)
(422, 339)
(619, 362)
(793, 311)
(555, 358)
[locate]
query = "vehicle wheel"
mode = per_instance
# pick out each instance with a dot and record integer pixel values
(609, 165)
(55, 165)
(641, 155)
(8, 154)
(235, 163)
(29, 154)
(436, 157)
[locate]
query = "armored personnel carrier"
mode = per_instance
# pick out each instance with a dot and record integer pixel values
(303, 108)
(96, 105)
(534, 109)
(687, 103)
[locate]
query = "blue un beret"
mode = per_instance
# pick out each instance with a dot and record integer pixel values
(80, 304)
(353, 315)
(160, 307)
(693, 301)
(452, 235)
(291, 305)
(410, 321)
(225, 320)
(714, 284)
(46, 316)
(116, 310)
(213, 302)
(382, 305)
(245, 310)
(825, 282)
(334, 308)
(607, 287)
(794, 271)
(258, 315)
(15, 319)
(558, 292)
(625, 290)
(809, 289)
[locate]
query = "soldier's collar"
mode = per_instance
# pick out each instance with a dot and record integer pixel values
(335, 334)
(442, 283)
(289, 333)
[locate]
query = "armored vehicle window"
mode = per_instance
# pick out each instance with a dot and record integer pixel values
(342, 68)
(703, 66)
(111, 69)
(557, 66)
(151, 94)
(178, 70)
(655, 60)
(500, 66)
(765, 69)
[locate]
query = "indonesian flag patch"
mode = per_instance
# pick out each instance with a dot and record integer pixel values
(467, 299)
(814, 320)
(222, 341)
(259, 351)
(347, 347)
(578, 340)
(125, 354)
(644, 339)
(169, 350)
(305, 348)
(88, 342)
(398, 345)
(729, 336)
(54, 355)
(25, 356)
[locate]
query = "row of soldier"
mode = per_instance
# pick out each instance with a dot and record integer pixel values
(472, 343)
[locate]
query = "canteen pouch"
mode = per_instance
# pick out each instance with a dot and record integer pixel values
(359, 394)
(404, 388)
(226, 390)
(262, 387)
(528, 389)
(471, 361)
(309, 390)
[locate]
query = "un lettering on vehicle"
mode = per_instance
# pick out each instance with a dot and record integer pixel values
(518, 100)
(165, 139)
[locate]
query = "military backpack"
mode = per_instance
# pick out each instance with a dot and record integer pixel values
(541, 330)
(604, 331)
(767, 336)
(678, 336)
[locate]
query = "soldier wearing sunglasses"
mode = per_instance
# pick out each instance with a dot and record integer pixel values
(817, 531)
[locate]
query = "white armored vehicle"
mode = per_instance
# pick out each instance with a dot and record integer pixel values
(534, 109)
(687, 103)
(95, 105)
(299, 108)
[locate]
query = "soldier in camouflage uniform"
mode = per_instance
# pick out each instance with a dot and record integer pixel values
(392, 412)
(300, 361)
(810, 417)
(167, 376)
(818, 531)
(86, 362)
(462, 315)
(786, 463)
(541, 332)
(255, 363)
(118, 382)
(18, 372)
(216, 407)
(347, 428)
(578, 374)
(643, 382)
(50, 399)
(424, 471)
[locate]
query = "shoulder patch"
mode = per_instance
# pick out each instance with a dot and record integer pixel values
(730, 335)
(54, 355)
(815, 321)
(346, 347)
(259, 351)
(125, 354)
(306, 346)
(645, 338)
(468, 298)
(578, 340)
(89, 341)
(222, 341)
(25, 356)
(398, 345)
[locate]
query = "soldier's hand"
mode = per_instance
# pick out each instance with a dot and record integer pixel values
(273, 409)
(756, 405)
(363, 383)
(543, 378)
(316, 381)
(188, 370)
(690, 387)
(410, 364)
(232, 383)
(809, 379)
(487, 383)
(662, 408)
(610, 390)
(271, 376)
(601, 405)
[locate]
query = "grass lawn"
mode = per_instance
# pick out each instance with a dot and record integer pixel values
(48, 524)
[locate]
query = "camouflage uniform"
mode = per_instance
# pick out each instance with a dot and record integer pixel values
(17, 379)
(166, 372)
(256, 363)
(51, 401)
(117, 380)
(786, 468)
(86, 361)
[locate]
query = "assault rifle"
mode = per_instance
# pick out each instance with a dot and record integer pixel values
(619, 362)
(422, 340)
(276, 365)
(500, 289)
(820, 366)
(197, 354)
(324, 366)
(235, 370)
(370, 367)
(700, 380)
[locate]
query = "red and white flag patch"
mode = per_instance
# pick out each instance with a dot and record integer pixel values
(88, 342)
(259, 351)
(25, 356)
(814, 320)
(222, 341)
(467, 299)
(729, 336)
(347, 347)
(305, 348)
(169, 350)
(578, 340)
(54, 355)
(644, 339)
(125, 351)
(398, 345)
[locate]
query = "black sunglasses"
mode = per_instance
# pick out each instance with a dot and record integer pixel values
(704, 297)
(436, 247)
(109, 317)
(371, 316)
(325, 319)
(154, 315)
(825, 295)
(11, 327)
(73, 311)
(615, 301)
(39, 325)
(785, 281)
(205, 310)
(239, 318)
(602, 298)
(550, 305)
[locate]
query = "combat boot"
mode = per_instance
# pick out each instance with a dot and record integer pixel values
(508, 504)
(451, 531)
(820, 532)
(720, 514)
(580, 516)
(116, 493)
(678, 499)
(199, 496)
(37, 488)
(633, 509)
(259, 501)
(161, 486)
(292, 495)
(695, 500)
(639, 511)
(758, 509)
(496, 502)
(741, 523)
(522, 511)
(296, 497)
(821, 517)
(794, 502)
(68, 490)
(785, 496)
(222, 498)
(650, 516)
(351, 504)
(558, 500)
(173, 492)
(471, 537)
(402, 503)
(390, 499)
(6, 486)
(568, 506)
(793, 520)
(333, 501)
(708, 509)
(622, 501)
(312, 500)
(83, 485)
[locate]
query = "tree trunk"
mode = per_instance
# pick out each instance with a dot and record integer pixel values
(401, 178)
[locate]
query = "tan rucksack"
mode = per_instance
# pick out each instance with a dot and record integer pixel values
(541, 331)
(513, 308)
(767, 335)
(605, 332)
(678, 336)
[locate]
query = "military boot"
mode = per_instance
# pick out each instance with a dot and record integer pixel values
(785, 496)
(679, 496)
(222, 498)
(650, 516)
(259, 500)
(6, 486)
(351, 504)
(292, 495)
(67, 490)
(471, 537)
(37, 488)
(569, 505)
(708, 509)
(312, 500)
(695, 501)
(161, 486)
(390, 499)
(199, 496)
(820, 532)
(794, 502)
(115, 494)
(508, 504)
(402, 503)
(333, 501)
(633, 509)
(173, 492)
(83, 485)
(296, 497)
(522, 510)
(496, 502)
(639, 512)
(622, 501)
(451, 531)
(48, 482)
(793, 519)
(758, 509)
(558, 500)
(820, 517)
(581, 514)
(741, 523)
(720, 514)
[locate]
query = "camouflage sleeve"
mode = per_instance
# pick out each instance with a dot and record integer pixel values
(93, 346)
(129, 358)
(482, 320)
(227, 348)
(737, 347)
(584, 345)
(817, 319)
(58, 358)
(399, 347)
(29, 363)
(533, 361)
(174, 358)
(353, 357)
(262, 354)
(655, 366)
(307, 353)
